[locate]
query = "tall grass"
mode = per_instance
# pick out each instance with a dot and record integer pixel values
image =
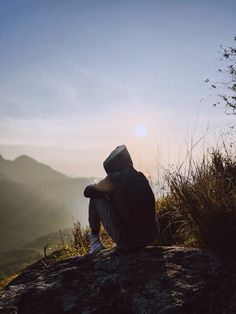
(201, 203)
(76, 241)
(198, 210)
(4, 282)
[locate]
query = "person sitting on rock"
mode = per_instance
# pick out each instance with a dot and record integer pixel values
(124, 203)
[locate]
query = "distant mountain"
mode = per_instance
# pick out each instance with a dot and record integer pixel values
(26, 169)
(36, 200)
(53, 240)
(25, 215)
(67, 193)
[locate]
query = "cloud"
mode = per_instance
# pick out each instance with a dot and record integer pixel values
(36, 92)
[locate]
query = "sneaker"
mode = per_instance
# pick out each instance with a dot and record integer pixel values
(95, 243)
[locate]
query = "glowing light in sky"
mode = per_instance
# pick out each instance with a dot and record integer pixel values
(140, 131)
(63, 94)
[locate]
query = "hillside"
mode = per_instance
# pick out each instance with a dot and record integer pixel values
(15, 260)
(26, 169)
(66, 192)
(25, 215)
(36, 200)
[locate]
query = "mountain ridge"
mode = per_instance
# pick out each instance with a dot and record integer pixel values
(37, 200)
(26, 169)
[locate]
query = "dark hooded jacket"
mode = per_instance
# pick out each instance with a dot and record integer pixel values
(132, 198)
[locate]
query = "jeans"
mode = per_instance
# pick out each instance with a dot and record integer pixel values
(101, 210)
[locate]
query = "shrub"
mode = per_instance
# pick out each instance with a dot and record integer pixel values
(202, 203)
(167, 225)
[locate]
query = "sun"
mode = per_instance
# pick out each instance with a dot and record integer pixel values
(140, 131)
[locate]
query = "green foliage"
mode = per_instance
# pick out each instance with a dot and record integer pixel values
(201, 205)
(168, 226)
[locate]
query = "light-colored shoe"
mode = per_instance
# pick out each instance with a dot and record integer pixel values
(95, 243)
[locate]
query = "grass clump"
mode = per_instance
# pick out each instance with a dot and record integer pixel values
(167, 225)
(201, 203)
(4, 282)
(76, 242)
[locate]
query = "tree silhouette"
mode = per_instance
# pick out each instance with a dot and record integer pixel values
(227, 98)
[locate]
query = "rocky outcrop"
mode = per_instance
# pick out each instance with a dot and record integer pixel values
(151, 280)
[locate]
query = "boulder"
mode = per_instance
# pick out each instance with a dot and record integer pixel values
(152, 280)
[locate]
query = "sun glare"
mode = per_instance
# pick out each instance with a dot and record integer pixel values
(140, 131)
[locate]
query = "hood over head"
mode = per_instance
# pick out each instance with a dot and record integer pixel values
(118, 160)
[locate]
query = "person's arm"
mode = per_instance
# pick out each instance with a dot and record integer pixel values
(99, 189)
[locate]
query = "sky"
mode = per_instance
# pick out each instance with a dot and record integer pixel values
(79, 78)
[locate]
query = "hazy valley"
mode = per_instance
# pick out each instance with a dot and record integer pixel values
(35, 202)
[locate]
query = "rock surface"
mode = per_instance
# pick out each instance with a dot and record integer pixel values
(151, 280)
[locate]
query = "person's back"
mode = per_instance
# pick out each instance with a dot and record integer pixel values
(131, 201)
(134, 205)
